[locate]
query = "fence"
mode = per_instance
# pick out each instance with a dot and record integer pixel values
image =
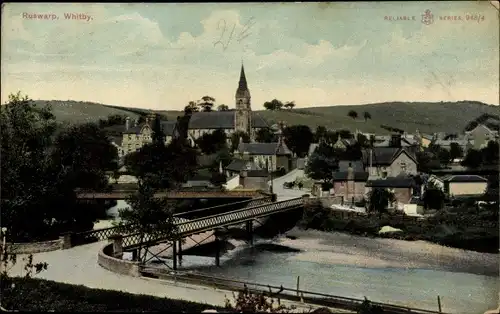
(298, 295)
(212, 222)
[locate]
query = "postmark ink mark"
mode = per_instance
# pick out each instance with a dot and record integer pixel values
(226, 37)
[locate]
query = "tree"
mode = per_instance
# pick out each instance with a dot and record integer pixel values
(473, 159)
(379, 200)
(265, 135)
(426, 161)
(235, 139)
(290, 105)
(41, 170)
(362, 140)
(222, 107)
(273, 105)
(149, 215)
(490, 153)
(163, 167)
(367, 115)
(28, 178)
(114, 119)
(158, 135)
(191, 108)
(433, 198)
(444, 156)
(322, 163)
(320, 133)
(298, 138)
(206, 103)
(345, 134)
(353, 114)
(456, 151)
(210, 143)
(218, 179)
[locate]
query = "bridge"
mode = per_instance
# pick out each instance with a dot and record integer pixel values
(206, 219)
(117, 194)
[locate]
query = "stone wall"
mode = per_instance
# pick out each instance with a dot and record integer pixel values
(35, 247)
(106, 260)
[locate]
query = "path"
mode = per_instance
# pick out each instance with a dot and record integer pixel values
(285, 194)
(79, 266)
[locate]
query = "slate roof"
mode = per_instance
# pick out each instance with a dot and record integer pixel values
(116, 139)
(357, 165)
(384, 156)
(391, 182)
(168, 127)
(464, 178)
(264, 148)
(134, 130)
(257, 173)
(360, 176)
(239, 164)
(221, 120)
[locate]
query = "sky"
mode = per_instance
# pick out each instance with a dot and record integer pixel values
(161, 56)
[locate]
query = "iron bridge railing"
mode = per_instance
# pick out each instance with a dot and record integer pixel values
(204, 224)
(104, 233)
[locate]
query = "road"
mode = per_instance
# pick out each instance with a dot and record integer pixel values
(79, 266)
(285, 194)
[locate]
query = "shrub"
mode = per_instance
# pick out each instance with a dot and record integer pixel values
(43, 295)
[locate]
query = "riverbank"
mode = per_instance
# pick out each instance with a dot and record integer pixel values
(345, 249)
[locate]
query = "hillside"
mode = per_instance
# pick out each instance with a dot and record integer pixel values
(452, 117)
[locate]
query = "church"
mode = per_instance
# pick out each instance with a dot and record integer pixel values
(127, 138)
(240, 119)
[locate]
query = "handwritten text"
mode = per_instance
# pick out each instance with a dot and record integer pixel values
(226, 36)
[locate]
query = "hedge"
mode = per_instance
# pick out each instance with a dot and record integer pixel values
(30, 294)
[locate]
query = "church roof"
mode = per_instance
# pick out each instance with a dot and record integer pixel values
(221, 120)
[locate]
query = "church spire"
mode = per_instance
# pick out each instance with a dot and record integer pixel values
(242, 86)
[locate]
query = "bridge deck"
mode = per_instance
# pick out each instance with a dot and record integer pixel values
(122, 194)
(204, 224)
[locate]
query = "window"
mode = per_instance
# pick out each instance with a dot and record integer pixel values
(403, 166)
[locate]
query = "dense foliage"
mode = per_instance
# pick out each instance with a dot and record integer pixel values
(44, 296)
(298, 138)
(466, 227)
(42, 166)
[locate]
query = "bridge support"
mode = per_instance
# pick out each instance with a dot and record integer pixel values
(180, 252)
(174, 255)
(249, 227)
(135, 255)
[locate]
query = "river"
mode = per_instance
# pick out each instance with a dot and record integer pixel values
(384, 270)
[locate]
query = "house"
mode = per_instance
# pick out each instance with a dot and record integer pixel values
(270, 156)
(343, 143)
(426, 140)
(238, 165)
(481, 135)
(403, 187)
(464, 185)
(464, 143)
(241, 119)
(255, 179)
(350, 184)
(382, 162)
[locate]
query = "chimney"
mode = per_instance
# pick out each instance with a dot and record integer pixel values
(350, 173)
(127, 123)
(396, 140)
(246, 156)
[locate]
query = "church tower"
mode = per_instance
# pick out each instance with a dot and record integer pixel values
(243, 112)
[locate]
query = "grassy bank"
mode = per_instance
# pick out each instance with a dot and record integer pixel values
(463, 228)
(44, 295)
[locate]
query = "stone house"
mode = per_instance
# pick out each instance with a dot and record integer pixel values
(481, 135)
(350, 184)
(464, 185)
(238, 165)
(255, 179)
(270, 156)
(382, 162)
(403, 187)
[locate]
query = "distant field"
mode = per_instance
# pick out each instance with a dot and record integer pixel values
(426, 117)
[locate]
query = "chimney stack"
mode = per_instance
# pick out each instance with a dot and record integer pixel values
(127, 123)
(350, 173)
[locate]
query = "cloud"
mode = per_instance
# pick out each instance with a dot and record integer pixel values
(125, 56)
